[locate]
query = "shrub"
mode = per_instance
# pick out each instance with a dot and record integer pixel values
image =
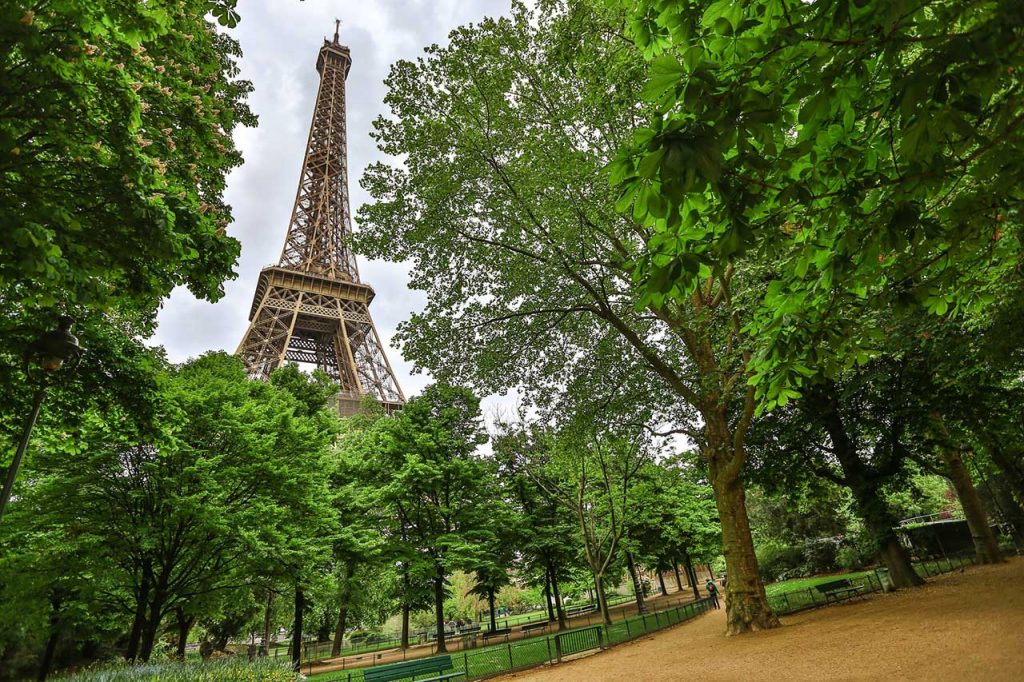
(225, 670)
(776, 560)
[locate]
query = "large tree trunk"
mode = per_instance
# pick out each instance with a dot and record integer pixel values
(985, 546)
(559, 610)
(300, 607)
(746, 604)
(139, 622)
(638, 589)
(442, 648)
(679, 580)
(691, 575)
(661, 584)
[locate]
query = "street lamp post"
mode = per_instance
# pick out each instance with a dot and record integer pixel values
(50, 351)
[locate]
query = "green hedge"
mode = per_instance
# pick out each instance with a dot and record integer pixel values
(226, 670)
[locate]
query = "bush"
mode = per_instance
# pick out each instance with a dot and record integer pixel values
(777, 560)
(226, 670)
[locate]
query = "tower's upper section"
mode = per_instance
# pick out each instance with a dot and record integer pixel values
(318, 234)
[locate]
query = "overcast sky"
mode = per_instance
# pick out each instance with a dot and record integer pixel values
(280, 40)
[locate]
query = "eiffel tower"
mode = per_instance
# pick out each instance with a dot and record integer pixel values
(311, 307)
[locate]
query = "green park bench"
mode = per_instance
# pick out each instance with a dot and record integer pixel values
(838, 590)
(527, 629)
(494, 634)
(411, 669)
(580, 610)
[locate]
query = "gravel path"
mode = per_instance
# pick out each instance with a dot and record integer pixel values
(963, 626)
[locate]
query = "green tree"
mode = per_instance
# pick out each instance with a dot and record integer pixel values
(866, 150)
(115, 141)
(509, 180)
(431, 478)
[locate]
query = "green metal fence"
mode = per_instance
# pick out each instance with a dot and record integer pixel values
(529, 653)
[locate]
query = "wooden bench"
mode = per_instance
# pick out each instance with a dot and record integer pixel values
(500, 632)
(839, 589)
(580, 610)
(409, 669)
(526, 629)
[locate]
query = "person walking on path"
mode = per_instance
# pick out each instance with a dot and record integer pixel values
(712, 592)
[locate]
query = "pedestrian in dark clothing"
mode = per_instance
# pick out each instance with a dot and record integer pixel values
(712, 592)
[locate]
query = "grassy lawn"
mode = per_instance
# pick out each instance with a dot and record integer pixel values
(798, 584)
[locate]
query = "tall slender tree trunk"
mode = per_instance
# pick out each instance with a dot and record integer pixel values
(56, 599)
(344, 596)
(602, 601)
(691, 575)
(267, 613)
(405, 627)
(490, 605)
(139, 621)
(156, 606)
(547, 593)
(679, 580)
(406, 587)
(300, 607)
(184, 623)
(638, 589)
(986, 548)
(661, 584)
(339, 630)
(442, 647)
(559, 609)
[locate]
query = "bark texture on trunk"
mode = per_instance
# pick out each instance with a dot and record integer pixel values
(746, 604)
(300, 607)
(679, 580)
(986, 548)
(641, 606)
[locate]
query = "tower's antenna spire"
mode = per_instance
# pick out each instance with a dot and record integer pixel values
(337, 28)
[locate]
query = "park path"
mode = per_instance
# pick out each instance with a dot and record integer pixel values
(962, 626)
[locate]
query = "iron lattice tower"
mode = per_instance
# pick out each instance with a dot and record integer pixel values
(311, 307)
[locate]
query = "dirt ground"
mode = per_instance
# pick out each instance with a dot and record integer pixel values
(962, 626)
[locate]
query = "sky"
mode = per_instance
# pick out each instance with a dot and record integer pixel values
(280, 40)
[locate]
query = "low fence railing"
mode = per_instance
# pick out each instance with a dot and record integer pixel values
(528, 653)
